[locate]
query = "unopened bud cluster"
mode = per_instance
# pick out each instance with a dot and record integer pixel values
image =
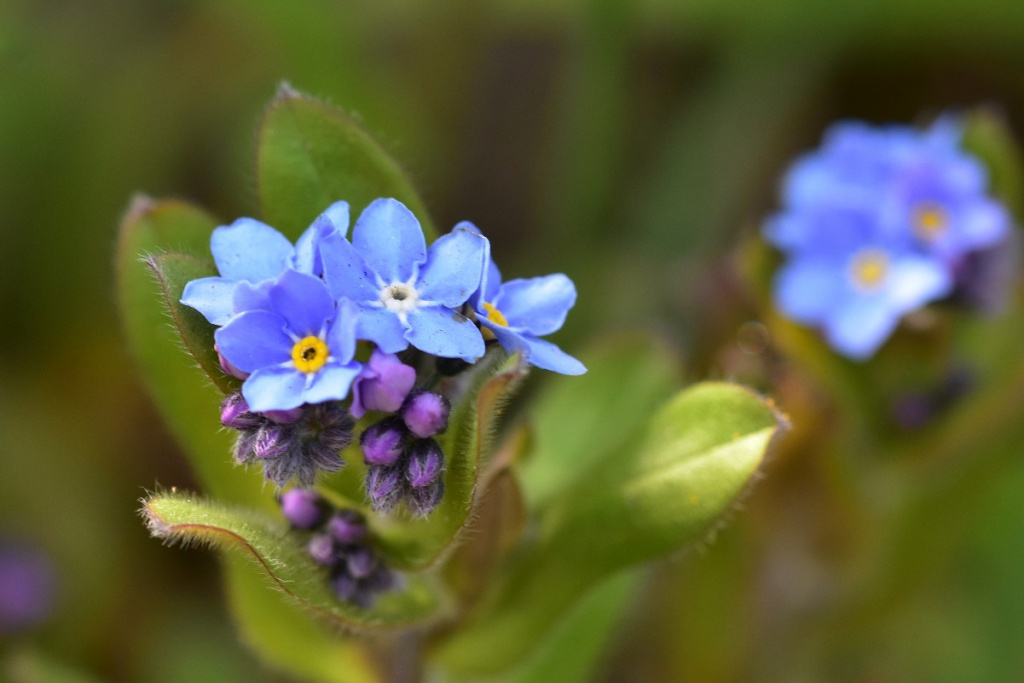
(404, 461)
(339, 541)
(294, 443)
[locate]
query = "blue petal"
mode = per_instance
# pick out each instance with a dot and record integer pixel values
(915, 281)
(383, 328)
(539, 353)
(254, 340)
(307, 251)
(341, 337)
(983, 224)
(807, 290)
(390, 239)
(443, 332)
(858, 328)
(250, 250)
(211, 296)
(303, 301)
(345, 270)
(250, 297)
(538, 305)
(454, 267)
(274, 388)
(331, 383)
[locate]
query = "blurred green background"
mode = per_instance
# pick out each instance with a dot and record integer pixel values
(629, 144)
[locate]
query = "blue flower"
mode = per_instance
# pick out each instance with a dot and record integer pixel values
(875, 224)
(299, 348)
(249, 255)
(407, 294)
(518, 312)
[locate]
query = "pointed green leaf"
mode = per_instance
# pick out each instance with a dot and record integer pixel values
(311, 155)
(280, 555)
(416, 543)
(627, 379)
(654, 496)
(169, 340)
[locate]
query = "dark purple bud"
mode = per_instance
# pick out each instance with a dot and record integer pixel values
(228, 367)
(243, 446)
(425, 463)
(347, 527)
(382, 385)
(380, 579)
(360, 561)
(321, 548)
(304, 509)
(345, 586)
(283, 417)
(271, 442)
(235, 413)
(425, 414)
(422, 501)
(384, 486)
(384, 441)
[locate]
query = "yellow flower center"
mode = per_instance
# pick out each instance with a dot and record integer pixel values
(930, 221)
(310, 354)
(869, 269)
(494, 315)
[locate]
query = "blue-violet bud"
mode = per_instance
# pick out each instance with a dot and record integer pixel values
(321, 549)
(382, 384)
(345, 586)
(271, 442)
(235, 413)
(283, 417)
(384, 486)
(426, 413)
(384, 441)
(425, 463)
(303, 508)
(422, 501)
(347, 527)
(360, 561)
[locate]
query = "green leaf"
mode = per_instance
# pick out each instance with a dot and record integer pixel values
(627, 379)
(279, 555)
(649, 499)
(169, 340)
(414, 543)
(987, 136)
(311, 155)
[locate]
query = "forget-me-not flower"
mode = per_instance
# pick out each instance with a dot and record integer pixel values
(518, 312)
(298, 350)
(407, 294)
(249, 254)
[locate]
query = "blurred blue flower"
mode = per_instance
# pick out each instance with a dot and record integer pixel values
(251, 254)
(876, 223)
(299, 348)
(518, 312)
(407, 294)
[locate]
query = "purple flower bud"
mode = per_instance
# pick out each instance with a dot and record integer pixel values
(382, 384)
(384, 441)
(345, 586)
(283, 417)
(347, 527)
(228, 367)
(303, 508)
(271, 442)
(380, 579)
(360, 562)
(422, 501)
(235, 413)
(425, 463)
(426, 413)
(384, 486)
(321, 549)
(243, 446)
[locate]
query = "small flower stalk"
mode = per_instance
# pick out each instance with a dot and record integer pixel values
(338, 540)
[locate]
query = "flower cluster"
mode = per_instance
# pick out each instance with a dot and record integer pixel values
(340, 542)
(877, 223)
(290, 319)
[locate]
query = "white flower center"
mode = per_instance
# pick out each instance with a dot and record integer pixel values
(399, 297)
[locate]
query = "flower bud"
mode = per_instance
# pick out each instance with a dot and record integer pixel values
(235, 413)
(345, 586)
(271, 442)
(360, 562)
(382, 384)
(321, 549)
(422, 501)
(347, 527)
(384, 486)
(425, 463)
(425, 413)
(283, 417)
(383, 442)
(303, 508)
